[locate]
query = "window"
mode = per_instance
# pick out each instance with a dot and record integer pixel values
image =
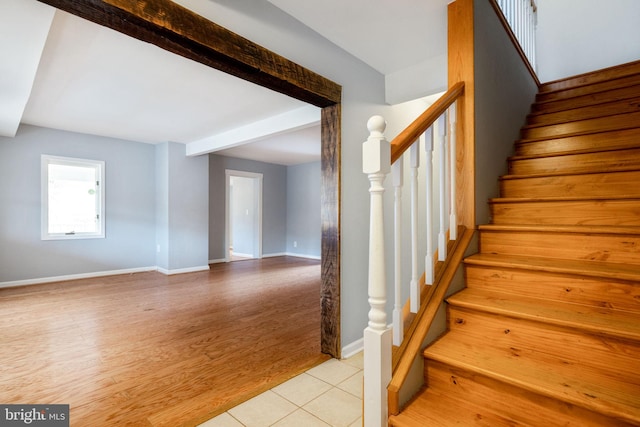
(72, 198)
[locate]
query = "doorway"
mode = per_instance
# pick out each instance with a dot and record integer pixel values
(243, 234)
(222, 49)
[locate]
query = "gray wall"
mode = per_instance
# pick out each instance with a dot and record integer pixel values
(188, 204)
(162, 205)
(578, 36)
(274, 203)
(291, 206)
(130, 206)
(504, 93)
(303, 209)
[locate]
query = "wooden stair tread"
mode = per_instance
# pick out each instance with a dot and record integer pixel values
(563, 266)
(498, 200)
(596, 150)
(559, 228)
(589, 388)
(581, 127)
(576, 184)
(591, 111)
(431, 408)
(593, 142)
(567, 211)
(566, 173)
(603, 161)
(595, 320)
(591, 88)
(596, 76)
(558, 106)
(456, 397)
(567, 288)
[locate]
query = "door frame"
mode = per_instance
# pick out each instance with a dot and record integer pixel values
(183, 32)
(257, 179)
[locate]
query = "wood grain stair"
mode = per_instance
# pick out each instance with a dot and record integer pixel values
(559, 184)
(547, 330)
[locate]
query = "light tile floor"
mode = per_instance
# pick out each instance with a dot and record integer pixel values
(328, 395)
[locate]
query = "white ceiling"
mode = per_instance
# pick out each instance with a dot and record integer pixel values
(371, 29)
(93, 80)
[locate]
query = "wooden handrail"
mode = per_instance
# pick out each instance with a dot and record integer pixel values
(407, 137)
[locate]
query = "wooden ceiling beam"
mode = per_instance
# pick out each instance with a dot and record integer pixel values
(185, 33)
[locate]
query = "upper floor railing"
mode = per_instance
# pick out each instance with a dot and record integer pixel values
(521, 17)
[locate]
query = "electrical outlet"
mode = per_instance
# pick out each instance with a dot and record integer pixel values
(295, 244)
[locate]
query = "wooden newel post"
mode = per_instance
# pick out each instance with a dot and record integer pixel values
(376, 163)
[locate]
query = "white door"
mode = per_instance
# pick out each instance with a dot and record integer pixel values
(244, 215)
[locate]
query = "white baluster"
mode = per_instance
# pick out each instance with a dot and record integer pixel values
(397, 171)
(529, 34)
(533, 37)
(377, 337)
(519, 24)
(428, 259)
(442, 165)
(453, 219)
(414, 285)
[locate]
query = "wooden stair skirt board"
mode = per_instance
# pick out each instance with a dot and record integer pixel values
(547, 330)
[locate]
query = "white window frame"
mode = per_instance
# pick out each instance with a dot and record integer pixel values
(99, 167)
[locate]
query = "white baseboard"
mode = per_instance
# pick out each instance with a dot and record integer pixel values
(274, 255)
(75, 276)
(353, 348)
(242, 255)
(183, 270)
(304, 256)
(292, 254)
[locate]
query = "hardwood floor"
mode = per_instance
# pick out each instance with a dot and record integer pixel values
(152, 350)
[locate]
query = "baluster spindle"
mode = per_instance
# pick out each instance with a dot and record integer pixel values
(428, 165)
(453, 219)
(414, 286)
(397, 171)
(376, 159)
(442, 166)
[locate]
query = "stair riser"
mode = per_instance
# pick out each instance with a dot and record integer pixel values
(520, 339)
(627, 81)
(600, 124)
(586, 100)
(572, 246)
(616, 140)
(594, 185)
(584, 212)
(590, 112)
(501, 404)
(607, 161)
(573, 289)
(598, 76)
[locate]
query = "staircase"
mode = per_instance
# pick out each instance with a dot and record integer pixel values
(547, 331)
